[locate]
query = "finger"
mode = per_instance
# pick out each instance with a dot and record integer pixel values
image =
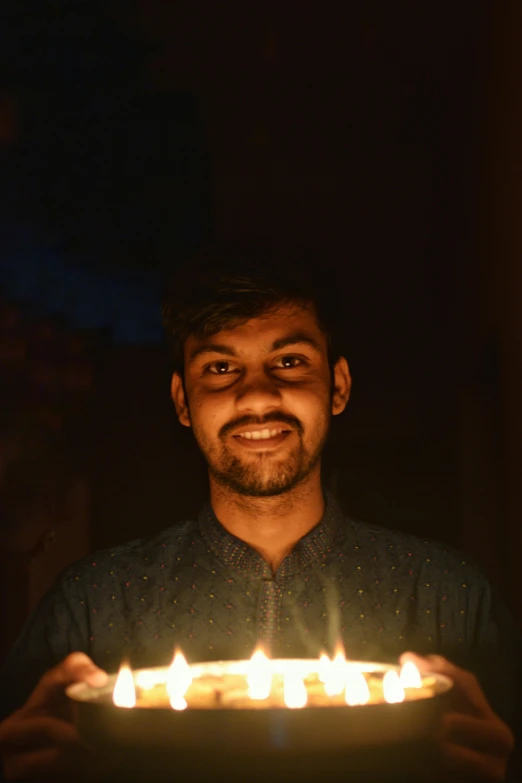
(490, 736)
(467, 693)
(472, 765)
(77, 667)
(39, 732)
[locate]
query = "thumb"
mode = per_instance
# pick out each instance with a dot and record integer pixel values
(77, 667)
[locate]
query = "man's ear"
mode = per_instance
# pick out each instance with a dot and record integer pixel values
(342, 386)
(177, 392)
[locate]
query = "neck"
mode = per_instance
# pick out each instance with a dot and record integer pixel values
(272, 526)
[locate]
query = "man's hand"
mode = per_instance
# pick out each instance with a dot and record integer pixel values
(475, 742)
(39, 741)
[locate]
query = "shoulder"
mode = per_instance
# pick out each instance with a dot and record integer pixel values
(418, 552)
(139, 553)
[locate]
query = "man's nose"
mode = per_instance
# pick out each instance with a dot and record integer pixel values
(258, 393)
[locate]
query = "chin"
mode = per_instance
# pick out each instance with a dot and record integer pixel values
(260, 488)
(264, 492)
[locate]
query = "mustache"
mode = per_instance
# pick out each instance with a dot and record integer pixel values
(280, 418)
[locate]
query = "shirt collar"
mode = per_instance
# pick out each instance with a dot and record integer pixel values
(238, 556)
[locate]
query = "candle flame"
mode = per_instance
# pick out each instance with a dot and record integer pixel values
(324, 665)
(124, 693)
(259, 677)
(179, 679)
(335, 674)
(410, 676)
(294, 691)
(357, 690)
(339, 648)
(392, 687)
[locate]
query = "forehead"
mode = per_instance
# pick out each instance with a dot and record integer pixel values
(259, 334)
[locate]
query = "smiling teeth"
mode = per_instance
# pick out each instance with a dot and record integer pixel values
(260, 435)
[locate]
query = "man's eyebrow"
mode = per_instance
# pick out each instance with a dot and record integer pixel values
(212, 348)
(296, 338)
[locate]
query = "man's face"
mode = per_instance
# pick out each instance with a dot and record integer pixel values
(258, 399)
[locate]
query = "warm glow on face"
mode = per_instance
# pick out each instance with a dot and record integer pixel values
(124, 693)
(259, 677)
(392, 688)
(295, 694)
(357, 690)
(335, 674)
(303, 392)
(410, 676)
(179, 679)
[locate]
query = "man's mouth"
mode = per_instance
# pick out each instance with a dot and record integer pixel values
(267, 438)
(261, 434)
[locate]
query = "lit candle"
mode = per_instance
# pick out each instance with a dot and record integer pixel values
(335, 674)
(356, 687)
(259, 677)
(179, 679)
(324, 664)
(124, 694)
(410, 676)
(295, 694)
(392, 688)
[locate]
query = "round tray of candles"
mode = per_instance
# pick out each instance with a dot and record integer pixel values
(231, 720)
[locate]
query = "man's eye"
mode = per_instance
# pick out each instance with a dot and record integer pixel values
(289, 362)
(218, 368)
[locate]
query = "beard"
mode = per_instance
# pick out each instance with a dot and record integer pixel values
(259, 475)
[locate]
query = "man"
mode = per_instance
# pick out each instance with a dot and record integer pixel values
(258, 374)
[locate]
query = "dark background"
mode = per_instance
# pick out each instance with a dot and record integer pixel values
(386, 135)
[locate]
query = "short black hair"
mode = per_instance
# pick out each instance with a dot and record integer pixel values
(226, 284)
